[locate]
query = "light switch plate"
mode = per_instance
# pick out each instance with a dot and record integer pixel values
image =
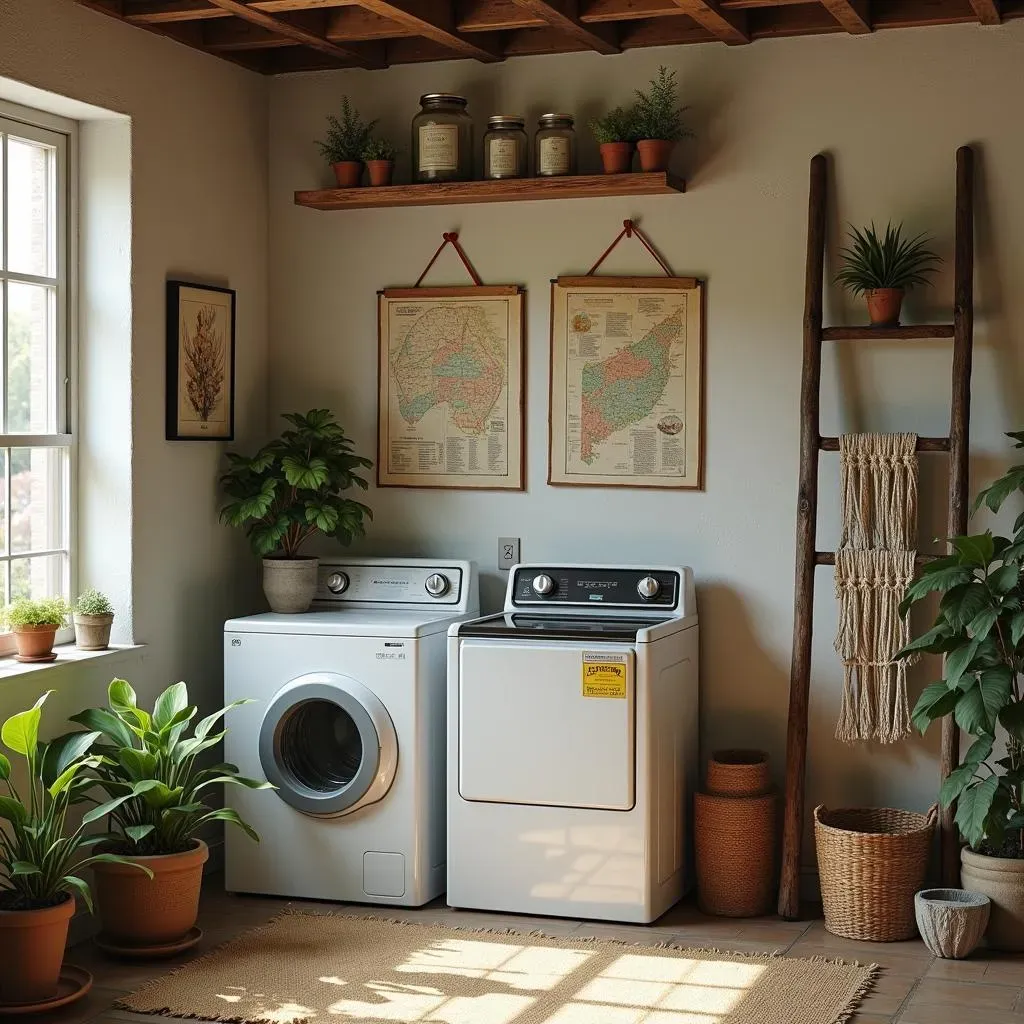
(508, 552)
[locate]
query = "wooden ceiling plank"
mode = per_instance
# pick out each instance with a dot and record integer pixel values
(494, 15)
(728, 26)
(354, 24)
(562, 15)
(987, 11)
(224, 36)
(535, 42)
(627, 10)
(853, 15)
(436, 23)
(677, 30)
(156, 12)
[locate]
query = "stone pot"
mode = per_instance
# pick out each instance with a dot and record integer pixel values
(138, 911)
(951, 921)
(654, 154)
(92, 632)
(617, 157)
(1001, 879)
(32, 951)
(348, 173)
(884, 305)
(380, 171)
(289, 583)
(34, 643)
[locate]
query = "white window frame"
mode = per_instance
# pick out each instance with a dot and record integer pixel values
(62, 135)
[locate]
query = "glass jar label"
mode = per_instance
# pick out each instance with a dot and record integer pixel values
(503, 157)
(439, 147)
(554, 155)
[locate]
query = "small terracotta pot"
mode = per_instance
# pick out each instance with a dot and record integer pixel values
(139, 911)
(654, 154)
(884, 305)
(34, 642)
(617, 157)
(32, 951)
(348, 173)
(380, 171)
(92, 632)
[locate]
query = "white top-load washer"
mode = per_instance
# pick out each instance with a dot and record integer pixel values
(348, 722)
(572, 744)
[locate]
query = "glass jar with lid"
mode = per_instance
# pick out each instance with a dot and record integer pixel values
(505, 145)
(555, 145)
(442, 139)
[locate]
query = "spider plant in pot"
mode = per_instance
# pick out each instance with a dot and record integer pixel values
(659, 121)
(882, 269)
(35, 624)
(151, 769)
(289, 490)
(616, 134)
(93, 615)
(980, 630)
(42, 854)
(379, 156)
(343, 145)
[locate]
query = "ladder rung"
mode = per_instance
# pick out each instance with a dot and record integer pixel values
(911, 332)
(924, 444)
(829, 558)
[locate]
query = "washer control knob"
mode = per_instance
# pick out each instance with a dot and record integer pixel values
(437, 585)
(648, 588)
(543, 585)
(337, 583)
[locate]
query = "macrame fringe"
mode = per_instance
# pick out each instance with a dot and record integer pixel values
(879, 481)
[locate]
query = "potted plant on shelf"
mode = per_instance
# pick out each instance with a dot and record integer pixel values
(93, 615)
(980, 630)
(343, 147)
(42, 855)
(884, 268)
(616, 134)
(35, 624)
(289, 490)
(379, 156)
(148, 766)
(659, 121)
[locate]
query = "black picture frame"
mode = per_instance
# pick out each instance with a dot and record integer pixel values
(213, 419)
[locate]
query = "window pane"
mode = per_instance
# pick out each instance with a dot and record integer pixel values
(41, 576)
(31, 359)
(37, 489)
(3, 500)
(29, 207)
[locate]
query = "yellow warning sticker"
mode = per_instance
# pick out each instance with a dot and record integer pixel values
(604, 675)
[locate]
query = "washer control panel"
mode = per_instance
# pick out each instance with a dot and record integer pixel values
(605, 588)
(369, 583)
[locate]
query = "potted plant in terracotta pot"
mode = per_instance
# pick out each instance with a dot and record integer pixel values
(35, 624)
(616, 134)
(980, 630)
(659, 121)
(379, 157)
(148, 765)
(289, 490)
(41, 858)
(93, 615)
(883, 269)
(343, 147)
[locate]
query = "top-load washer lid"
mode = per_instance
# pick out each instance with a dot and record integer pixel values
(559, 627)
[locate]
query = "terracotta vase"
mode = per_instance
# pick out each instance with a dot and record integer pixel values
(34, 642)
(348, 173)
(138, 911)
(380, 172)
(32, 951)
(617, 157)
(92, 632)
(1001, 879)
(654, 154)
(289, 584)
(884, 305)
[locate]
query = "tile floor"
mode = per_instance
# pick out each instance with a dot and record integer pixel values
(913, 988)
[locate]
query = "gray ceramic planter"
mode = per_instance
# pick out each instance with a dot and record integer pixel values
(289, 583)
(92, 632)
(951, 921)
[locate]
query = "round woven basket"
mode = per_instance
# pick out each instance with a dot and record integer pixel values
(871, 861)
(742, 772)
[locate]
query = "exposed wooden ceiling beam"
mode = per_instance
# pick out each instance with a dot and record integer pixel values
(157, 12)
(490, 15)
(562, 15)
(351, 24)
(729, 26)
(987, 11)
(436, 23)
(853, 15)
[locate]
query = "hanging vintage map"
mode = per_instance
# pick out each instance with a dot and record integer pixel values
(626, 386)
(450, 380)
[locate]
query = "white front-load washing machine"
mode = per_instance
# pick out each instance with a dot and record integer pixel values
(572, 744)
(348, 722)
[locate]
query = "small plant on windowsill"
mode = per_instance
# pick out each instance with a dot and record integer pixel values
(35, 624)
(343, 146)
(94, 615)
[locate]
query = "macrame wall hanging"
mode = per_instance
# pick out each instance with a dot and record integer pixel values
(874, 565)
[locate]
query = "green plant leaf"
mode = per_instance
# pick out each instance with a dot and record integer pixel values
(1004, 579)
(61, 752)
(976, 550)
(81, 886)
(136, 833)
(121, 695)
(66, 777)
(138, 764)
(168, 704)
(981, 625)
(958, 661)
(102, 720)
(994, 495)
(936, 701)
(973, 808)
(229, 814)
(995, 685)
(101, 811)
(980, 750)
(113, 858)
(20, 732)
(12, 810)
(206, 724)
(927, 641)
(5, 768)
(938, 581)
(24, 867)
(954, 783)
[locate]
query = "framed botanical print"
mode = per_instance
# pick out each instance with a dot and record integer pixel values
(200, 362)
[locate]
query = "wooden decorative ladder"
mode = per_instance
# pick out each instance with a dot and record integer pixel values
(811, 443)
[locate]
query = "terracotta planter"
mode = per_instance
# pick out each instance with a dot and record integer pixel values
(617, 157)
(951, 921)
(139, 911)
(34, 642)
(1001, 879)
(289, 584)
(380, 171)
(884, 305)
(348, 173)
(32, 951)
(654, 154)
(92, 632)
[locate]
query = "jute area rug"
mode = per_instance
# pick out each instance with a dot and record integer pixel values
(318, 968)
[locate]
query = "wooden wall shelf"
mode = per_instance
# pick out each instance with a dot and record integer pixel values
(580, 186)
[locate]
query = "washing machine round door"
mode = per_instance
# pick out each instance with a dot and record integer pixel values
(328, 744)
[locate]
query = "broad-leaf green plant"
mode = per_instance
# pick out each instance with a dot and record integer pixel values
(295, 486)
(657, 113)
(41, 854)
(980, 630)
(153, 771)
(346, 136)
(618, 125)
(47, 611)
(890, 261)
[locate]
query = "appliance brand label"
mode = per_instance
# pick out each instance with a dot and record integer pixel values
(604, 675)
(393, 650)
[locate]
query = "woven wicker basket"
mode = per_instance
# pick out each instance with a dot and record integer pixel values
(871, 861)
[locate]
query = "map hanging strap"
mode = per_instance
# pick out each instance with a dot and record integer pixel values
(451, 238)
(629, 229)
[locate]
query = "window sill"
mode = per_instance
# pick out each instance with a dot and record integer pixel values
(67, 654)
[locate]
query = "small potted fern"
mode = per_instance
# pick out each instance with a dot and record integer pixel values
(616, 134)
(94, 615)
(659, 121)
(343, 146)
(35, 624)
(883, 269)
(379, 156)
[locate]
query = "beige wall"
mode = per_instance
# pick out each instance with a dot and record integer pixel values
(891, 109)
